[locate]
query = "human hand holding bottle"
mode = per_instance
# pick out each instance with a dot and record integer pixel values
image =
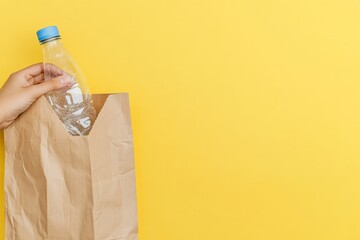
(22, 89)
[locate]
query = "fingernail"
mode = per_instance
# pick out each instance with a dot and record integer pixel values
(64, 81)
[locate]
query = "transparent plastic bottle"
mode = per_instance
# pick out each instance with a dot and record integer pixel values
(73, 105)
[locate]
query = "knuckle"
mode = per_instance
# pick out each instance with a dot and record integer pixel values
(12, 75)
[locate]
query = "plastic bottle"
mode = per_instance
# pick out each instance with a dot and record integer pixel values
(73, 105)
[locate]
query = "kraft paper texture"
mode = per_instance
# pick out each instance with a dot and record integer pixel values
(59, 186)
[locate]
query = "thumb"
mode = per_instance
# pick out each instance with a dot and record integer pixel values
(50, 85)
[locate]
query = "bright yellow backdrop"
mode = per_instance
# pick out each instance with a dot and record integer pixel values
(245, 113)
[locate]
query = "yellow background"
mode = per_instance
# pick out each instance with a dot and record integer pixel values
(245, 113)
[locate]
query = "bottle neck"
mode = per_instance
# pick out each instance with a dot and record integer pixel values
(52, 47)
(50, 40)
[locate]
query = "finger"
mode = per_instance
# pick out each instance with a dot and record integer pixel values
(39, 78)
(49, 85)
(32, 70)
(31, 80)
(39, 68)
(52, 70)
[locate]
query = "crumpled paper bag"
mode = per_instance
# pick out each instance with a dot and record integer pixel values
(59, 186)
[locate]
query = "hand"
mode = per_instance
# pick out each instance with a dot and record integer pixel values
(22, 89)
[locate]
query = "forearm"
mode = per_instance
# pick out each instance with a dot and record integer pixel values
(2, 124)
(2, 118)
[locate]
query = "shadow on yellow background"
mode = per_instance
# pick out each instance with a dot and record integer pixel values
(245, 113)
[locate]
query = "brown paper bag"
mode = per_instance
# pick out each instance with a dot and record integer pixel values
(59, 186)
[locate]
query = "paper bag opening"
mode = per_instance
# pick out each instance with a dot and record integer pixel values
(80, 124)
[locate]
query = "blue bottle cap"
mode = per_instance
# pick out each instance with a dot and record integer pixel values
(47, 33)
